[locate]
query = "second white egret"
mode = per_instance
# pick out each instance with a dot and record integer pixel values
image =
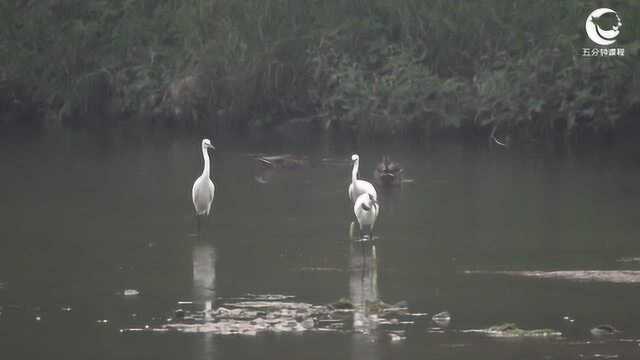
(366, 210)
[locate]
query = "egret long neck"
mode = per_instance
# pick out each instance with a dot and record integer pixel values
(354, 172)
(205, 155)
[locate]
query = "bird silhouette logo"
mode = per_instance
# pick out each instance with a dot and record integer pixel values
(595, 23)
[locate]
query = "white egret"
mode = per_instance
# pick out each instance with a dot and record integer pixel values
(366, 209)
(203, 188)
(359, 187)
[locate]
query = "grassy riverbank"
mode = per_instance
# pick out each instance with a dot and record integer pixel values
(376, 67)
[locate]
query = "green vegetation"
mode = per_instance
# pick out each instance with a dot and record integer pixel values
(372, 67)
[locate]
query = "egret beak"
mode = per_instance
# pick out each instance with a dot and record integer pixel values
(211, 147)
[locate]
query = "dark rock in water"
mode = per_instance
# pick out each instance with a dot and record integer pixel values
(342, 304)
(179, 314)
(604, 330)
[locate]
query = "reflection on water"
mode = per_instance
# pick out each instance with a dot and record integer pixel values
(363, 289)
(204, 274)
(87, 207)
(204, 285)
(363, 285)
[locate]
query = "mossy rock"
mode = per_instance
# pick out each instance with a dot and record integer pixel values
(511, 330)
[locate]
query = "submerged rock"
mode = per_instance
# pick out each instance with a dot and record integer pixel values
(342, 304)
(179, 314)
(510, 330)
(604, 330)
(442, 319)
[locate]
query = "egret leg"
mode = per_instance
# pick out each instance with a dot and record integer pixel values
(198, 224)
(352, 230)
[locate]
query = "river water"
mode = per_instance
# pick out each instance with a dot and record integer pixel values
(492, 236)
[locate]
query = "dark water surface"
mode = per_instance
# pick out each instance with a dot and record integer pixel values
(84, 218)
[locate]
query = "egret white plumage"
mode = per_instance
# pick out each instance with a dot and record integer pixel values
(366, 210)
(359, 187)
(203, 188)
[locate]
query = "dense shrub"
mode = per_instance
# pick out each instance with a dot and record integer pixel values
(373, 67)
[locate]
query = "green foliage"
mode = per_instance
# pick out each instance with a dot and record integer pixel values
(376, 67)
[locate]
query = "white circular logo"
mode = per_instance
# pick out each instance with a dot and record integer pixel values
(596, 33)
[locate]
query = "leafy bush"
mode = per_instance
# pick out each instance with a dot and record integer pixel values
(375, 67)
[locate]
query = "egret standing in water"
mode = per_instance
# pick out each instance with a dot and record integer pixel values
(359, 187)
(366, 210)
(203, 188)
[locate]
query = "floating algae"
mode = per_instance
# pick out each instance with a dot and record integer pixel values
(510, 330)
(611, 276)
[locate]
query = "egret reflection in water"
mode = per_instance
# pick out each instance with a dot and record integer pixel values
(363, 285)
(204, 274)
(363, 288)
(204, 286)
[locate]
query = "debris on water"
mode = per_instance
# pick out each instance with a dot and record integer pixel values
(442, 319)
(66, 308)
(131, 292)
(342, 304)
(283, 161)
(185, 302)
(396, 337)
(397, 310)
(3, 285)
(606, 356)
(612, 276)
(569, 319)
(604, 330)
(38, 318)
(308, 324)
(628, 259)
(435, 330)
(510, 330)
(320, 269)
(269, 297)
(134, 330)
(250, 317)
(102, 322)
